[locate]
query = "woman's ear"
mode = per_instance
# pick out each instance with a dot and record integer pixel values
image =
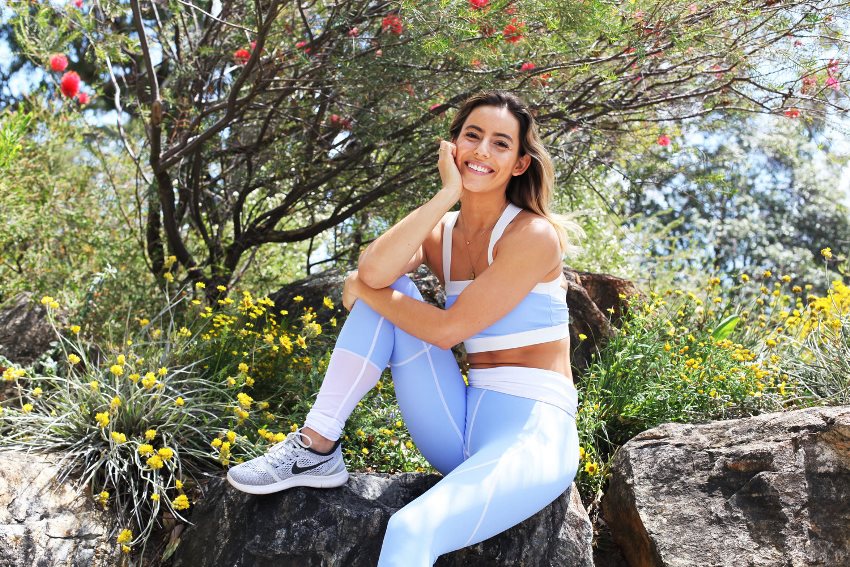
(522, 164)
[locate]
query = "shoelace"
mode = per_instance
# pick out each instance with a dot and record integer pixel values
(278, 452)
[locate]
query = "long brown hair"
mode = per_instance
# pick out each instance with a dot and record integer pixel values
(533, 189)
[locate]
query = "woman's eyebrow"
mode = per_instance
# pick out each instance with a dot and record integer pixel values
(474, 127)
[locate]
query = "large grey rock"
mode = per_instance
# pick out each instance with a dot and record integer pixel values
(771, 490)
(25, 332)
(344, 527)
(46, 524)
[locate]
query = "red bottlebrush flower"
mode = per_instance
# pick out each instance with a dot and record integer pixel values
(83, 98)
(542, 80)
(510, 10)
(792, 113)
(513, 31)
(58, 62)
(241, 56)
(433, 107)
(664, 140)
(78, 3)
(478, 4)
(300, 44)
(392, 23)
(832, 83)
(527, 66)
(718, 74)
(486, 30)
(832, 67)
(353, 32)
(69, 84)
(809, 83)
(334, 119)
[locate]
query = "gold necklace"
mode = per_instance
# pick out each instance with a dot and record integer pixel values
(463, 229)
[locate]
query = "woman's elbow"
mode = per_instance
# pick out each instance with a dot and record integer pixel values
(371, 277)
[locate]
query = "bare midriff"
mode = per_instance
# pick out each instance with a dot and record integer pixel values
(553, 355)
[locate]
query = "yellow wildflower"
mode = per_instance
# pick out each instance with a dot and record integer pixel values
(115, 403)
(37, 392)
(301, 341)
(169, 277)
(73, 358)
(162, 371)
(221, 288)
(155, 497)
(581, 452)
(155, 462)
(297, 299)
(125, 536)
(165, 453)
(102, 419)
(150, 434)
(145, 449)
(116, 369)
(766, 274)
(102, 498)
(121, 359)
(591, 468)
(826, 253)
(244, 400)
(118, 437)
(582, 337)
(179, 484)
(27, 408)
(94, 385)
(179, 402)
(216, 443)
(181, 502)
(75, 329)
(243, 367)
(200, 285)
(149, 380)
(134, 378)
(328, 303)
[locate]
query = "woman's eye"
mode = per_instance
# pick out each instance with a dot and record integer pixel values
(502, 144)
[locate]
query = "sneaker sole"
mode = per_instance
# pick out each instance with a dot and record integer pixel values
(330, 481)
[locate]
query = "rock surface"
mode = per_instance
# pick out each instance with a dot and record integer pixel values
(771, 490)
(25, 333)
(344, 527)
(44, 524)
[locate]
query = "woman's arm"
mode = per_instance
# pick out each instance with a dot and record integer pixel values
(392, 253)
(525, 257)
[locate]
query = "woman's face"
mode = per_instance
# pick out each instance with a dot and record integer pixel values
(489, 140)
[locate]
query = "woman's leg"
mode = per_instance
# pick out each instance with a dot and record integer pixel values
(523, 455)
(429, 388)
(428, 384)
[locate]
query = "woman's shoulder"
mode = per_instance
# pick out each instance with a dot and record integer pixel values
(530, 225)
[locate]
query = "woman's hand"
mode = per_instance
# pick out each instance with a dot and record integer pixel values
(349, 290)
(449, 172)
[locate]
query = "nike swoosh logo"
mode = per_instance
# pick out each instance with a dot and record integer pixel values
(298, 470)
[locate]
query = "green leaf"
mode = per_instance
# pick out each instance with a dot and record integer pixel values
(725, 327)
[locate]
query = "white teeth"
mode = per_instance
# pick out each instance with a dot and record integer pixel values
(474, 167)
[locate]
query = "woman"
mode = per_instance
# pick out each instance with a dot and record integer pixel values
(507, 444)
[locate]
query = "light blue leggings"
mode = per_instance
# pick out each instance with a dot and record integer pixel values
(503, 457)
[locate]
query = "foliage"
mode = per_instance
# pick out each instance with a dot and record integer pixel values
(693, 357)
(188, 391)
(66, 216)
(263, 124)
(729, 194)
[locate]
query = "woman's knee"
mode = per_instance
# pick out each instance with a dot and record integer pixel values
(406, 286)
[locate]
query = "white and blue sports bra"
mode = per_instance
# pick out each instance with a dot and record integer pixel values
(541, 316)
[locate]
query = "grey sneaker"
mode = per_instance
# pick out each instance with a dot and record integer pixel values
(290, 463)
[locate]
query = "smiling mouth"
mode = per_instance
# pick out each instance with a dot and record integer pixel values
(478, 169)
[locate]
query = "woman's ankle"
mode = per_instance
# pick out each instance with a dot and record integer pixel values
(320, 443)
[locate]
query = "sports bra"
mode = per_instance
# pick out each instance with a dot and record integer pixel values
(540, 317)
